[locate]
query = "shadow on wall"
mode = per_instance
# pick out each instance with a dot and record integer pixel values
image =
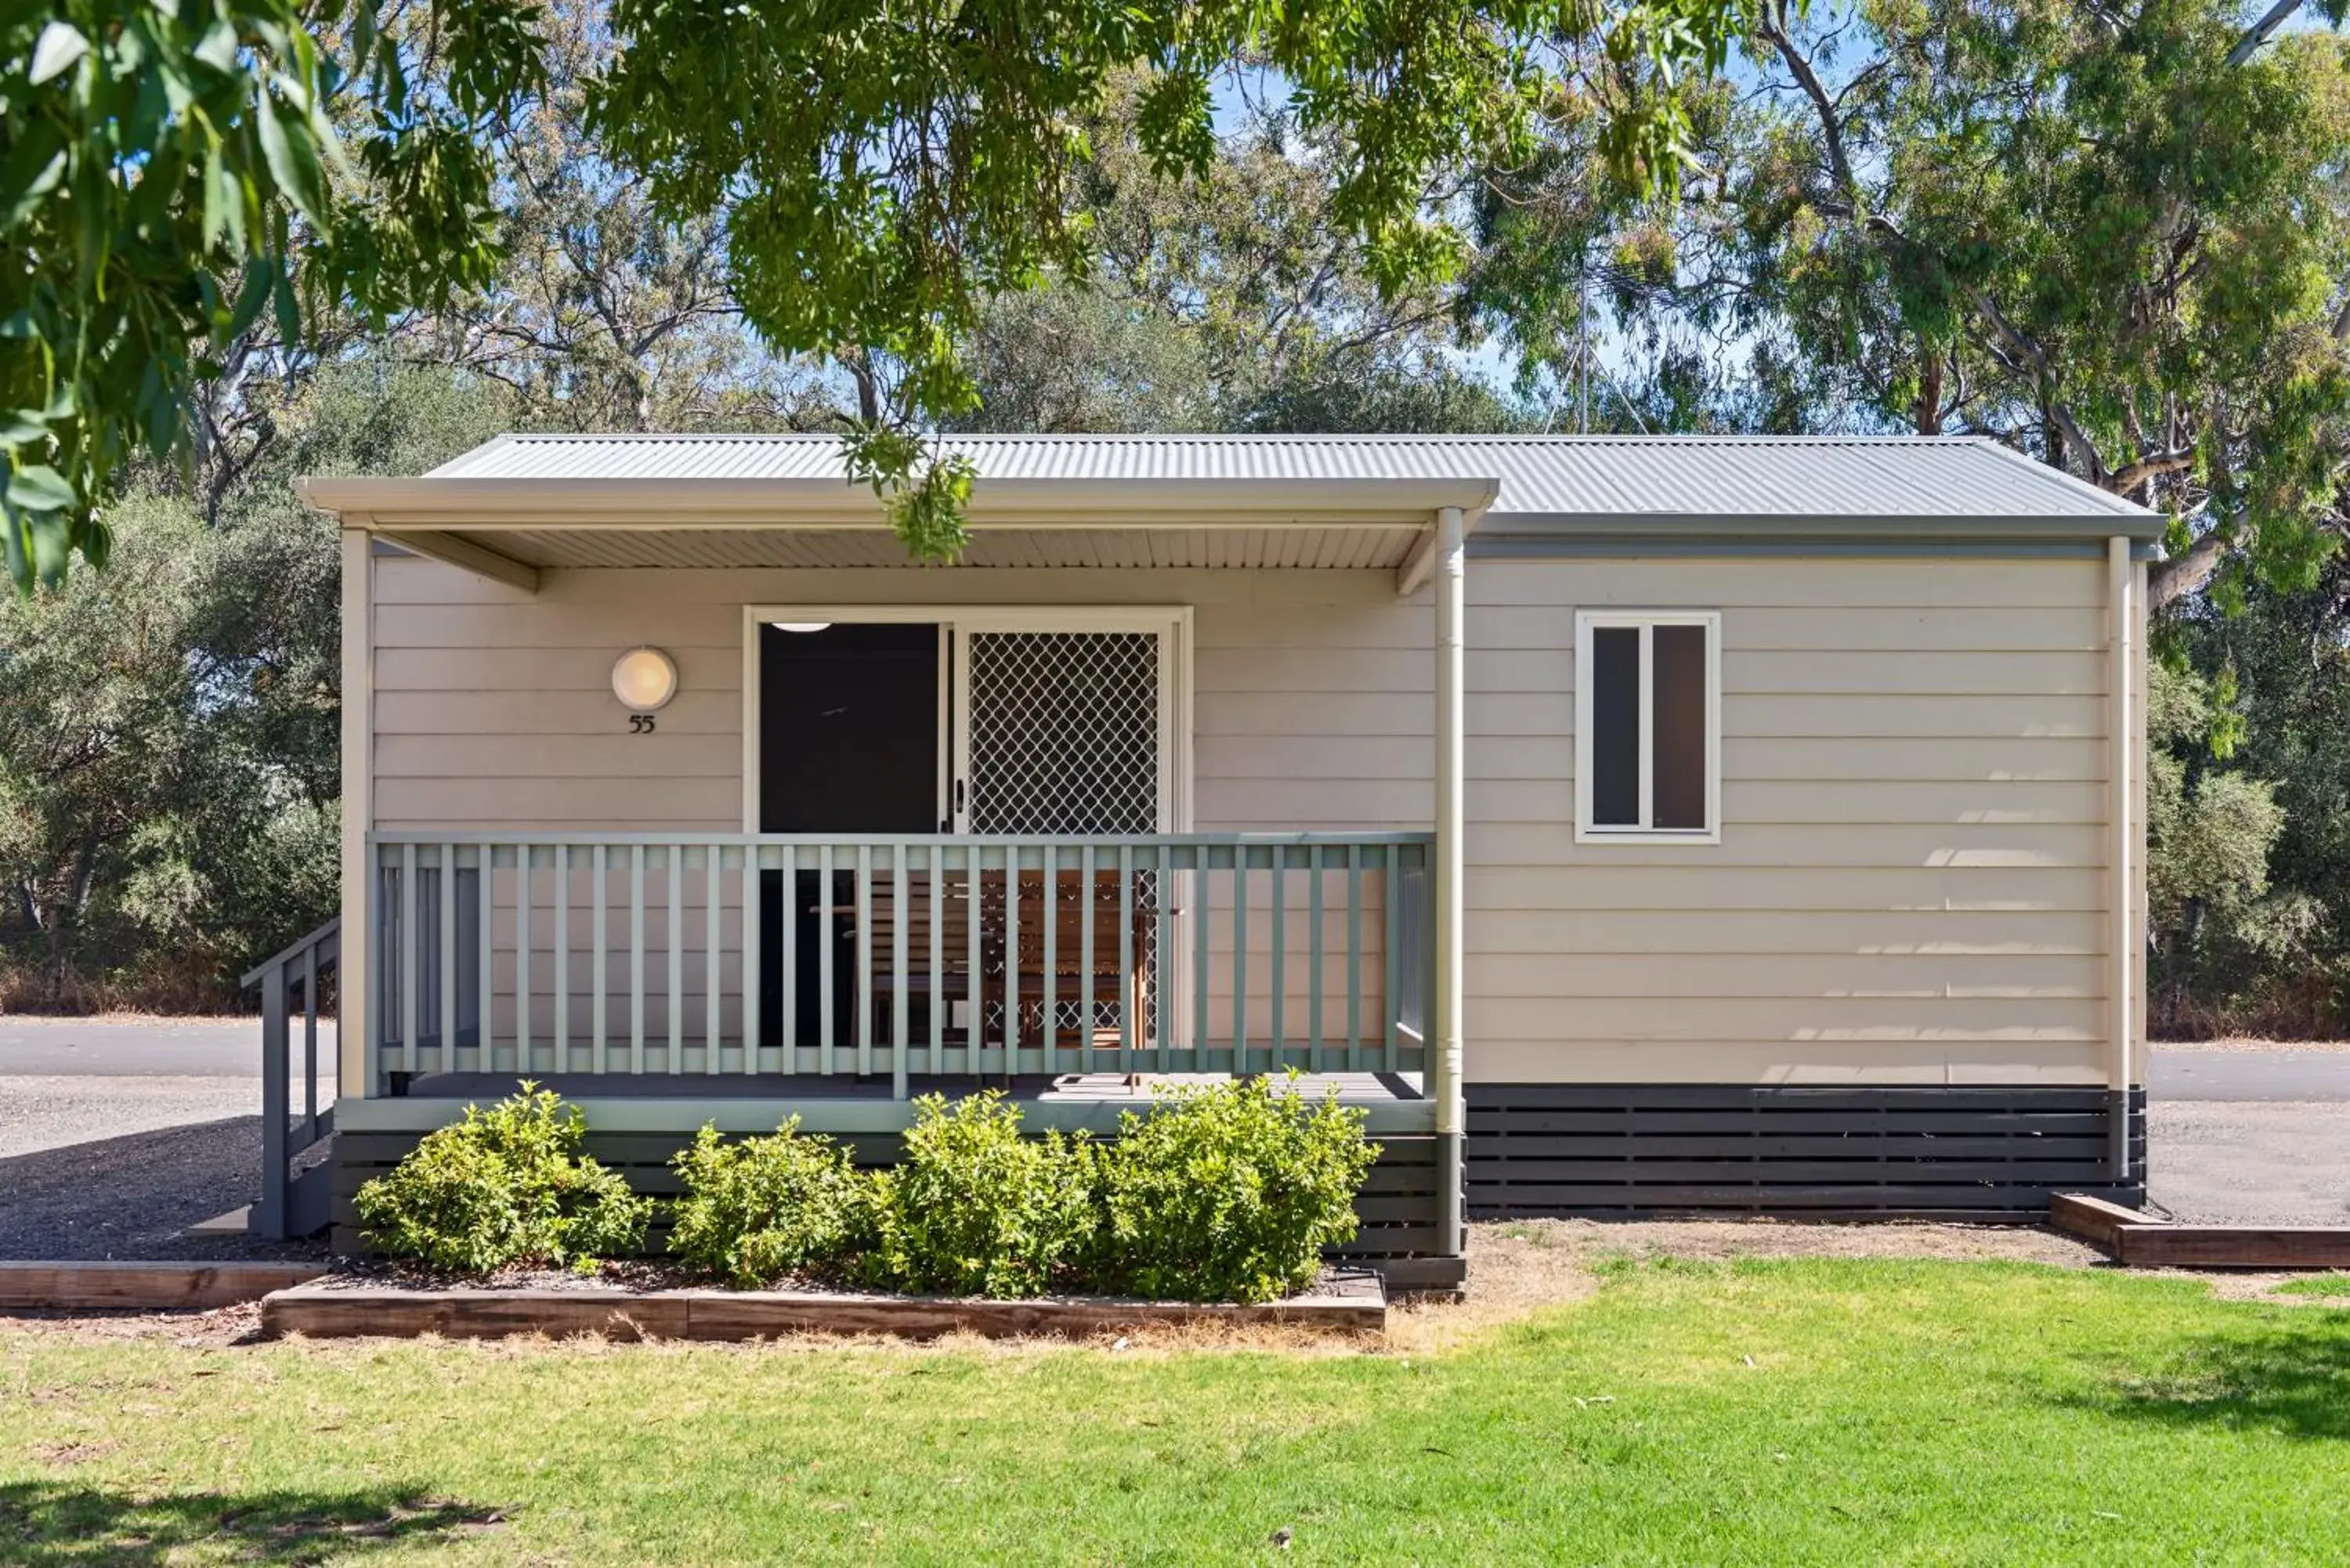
(2287, 1374)
(44, 1523)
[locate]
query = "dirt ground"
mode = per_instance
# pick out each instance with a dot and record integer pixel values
(2252, 1043)
(1515, 1268)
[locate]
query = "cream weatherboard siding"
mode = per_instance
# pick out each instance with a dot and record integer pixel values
(494, 711)
(1910, 884)
(1907, 890)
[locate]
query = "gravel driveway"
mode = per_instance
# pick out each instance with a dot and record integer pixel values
(2249, 1137)
(116, 1137)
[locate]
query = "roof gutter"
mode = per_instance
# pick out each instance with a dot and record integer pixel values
(1546, 533)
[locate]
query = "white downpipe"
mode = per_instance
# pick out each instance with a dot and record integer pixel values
(1451, 600)
(2122, 847)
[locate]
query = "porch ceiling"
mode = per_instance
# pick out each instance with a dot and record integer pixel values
(1328, 548)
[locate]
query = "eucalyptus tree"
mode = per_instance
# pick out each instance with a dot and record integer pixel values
(2117, 229)
(2114, 233)
(885, 170)
(171, 170)
(600, 314)
(1230, 301)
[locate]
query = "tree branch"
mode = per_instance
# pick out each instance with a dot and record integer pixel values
(2169, 581)
(2131, 475)
(2258, 33)
(1773, 29)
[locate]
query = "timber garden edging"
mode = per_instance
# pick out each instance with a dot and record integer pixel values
(1352, 1300)
(78, 1285)
(2140, 1240)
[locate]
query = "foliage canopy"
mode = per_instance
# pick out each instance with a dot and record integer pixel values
(172, 172)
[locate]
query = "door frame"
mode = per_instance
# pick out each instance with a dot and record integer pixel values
(1173, 622)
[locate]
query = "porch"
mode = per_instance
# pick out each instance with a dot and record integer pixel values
(967, 799)
(847, 974)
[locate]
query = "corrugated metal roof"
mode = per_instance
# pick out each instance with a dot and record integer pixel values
(1334, 549)
(1887, 477)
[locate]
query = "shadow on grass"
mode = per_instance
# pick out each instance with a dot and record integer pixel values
(48, 1524)
(2290, 1378)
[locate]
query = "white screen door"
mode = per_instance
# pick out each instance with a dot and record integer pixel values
(1062, 732)
(1065, 725)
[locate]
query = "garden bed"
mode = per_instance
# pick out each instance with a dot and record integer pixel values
(352, 1306)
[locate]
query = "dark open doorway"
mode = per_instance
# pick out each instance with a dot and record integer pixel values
(849, 729)
(849, 743)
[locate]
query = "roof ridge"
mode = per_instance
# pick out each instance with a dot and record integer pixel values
(1450, 438)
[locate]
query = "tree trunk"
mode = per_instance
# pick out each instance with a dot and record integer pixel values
(869, 391)
(2169, 581)
(65, 923)
(1929, 391)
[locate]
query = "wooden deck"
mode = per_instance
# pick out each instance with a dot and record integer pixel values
(848, 1103)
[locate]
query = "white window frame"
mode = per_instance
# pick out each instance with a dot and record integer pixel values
(1171, 622)
(1645, 621)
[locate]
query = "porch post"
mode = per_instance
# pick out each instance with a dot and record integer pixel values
(355, 960)
(2123, 873)
(1444, 1074)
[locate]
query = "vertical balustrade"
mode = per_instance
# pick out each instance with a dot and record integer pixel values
(563, 958)
(712, 874)
(999, 928)
(600, 943)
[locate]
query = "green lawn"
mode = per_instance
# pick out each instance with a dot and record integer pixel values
(1795, 1411)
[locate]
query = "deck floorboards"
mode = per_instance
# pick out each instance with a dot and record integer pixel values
(1041, 1088)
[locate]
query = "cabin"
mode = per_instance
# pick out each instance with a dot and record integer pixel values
(1629, 825)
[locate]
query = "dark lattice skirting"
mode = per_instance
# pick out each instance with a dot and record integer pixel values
(1986, 1154)
(1397, 1204)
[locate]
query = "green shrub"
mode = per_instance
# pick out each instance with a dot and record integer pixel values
(756, 1211)
(974, 1209)
(1228, 1193)
(507, 1185)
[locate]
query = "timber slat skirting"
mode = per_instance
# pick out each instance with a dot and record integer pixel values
(1354, 1302)
(76, 1286)
(1997, 1153)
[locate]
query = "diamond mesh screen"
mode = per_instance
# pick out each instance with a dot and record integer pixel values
(1065, 740)
(1063, 731)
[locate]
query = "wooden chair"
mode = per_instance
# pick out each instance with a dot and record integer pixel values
(1075, 967)
(1077, 971)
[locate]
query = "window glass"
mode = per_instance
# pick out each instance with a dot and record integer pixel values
(1615, 677)
(1678, 733)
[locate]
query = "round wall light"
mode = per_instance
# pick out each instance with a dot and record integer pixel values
(803, 626)
(644, 679)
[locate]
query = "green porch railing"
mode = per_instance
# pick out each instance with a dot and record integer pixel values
(899, 957)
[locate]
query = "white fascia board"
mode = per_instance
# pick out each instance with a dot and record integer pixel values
(477, 504)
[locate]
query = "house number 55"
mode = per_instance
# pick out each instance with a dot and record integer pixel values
(640, 723)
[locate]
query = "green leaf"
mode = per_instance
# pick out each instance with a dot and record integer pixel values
(293, 158)
(220, 194)
(218, 46)
(252, 299)
(56, 50)
(16, 535)
(38, 487)
(31, 170)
